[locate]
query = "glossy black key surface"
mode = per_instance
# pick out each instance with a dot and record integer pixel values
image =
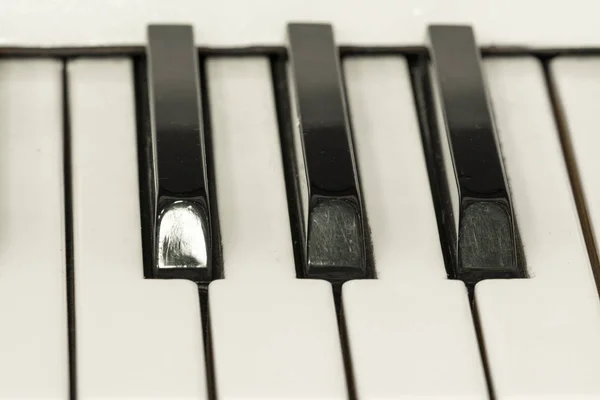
(182, 237)
(335, 237)
(175, 107)
(484, 238)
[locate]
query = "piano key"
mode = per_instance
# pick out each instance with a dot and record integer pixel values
(274, 336)
(333, 224)
(34, 344)
(410, 331)
(182, 241)
(541, 334)
(250, 188)
(575, 82)
(482, 242)
(136, 338)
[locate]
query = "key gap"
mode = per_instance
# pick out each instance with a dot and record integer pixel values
(345, 344)
(144, 153)
(217, 248)
(409, 51)
(358, 51)
(290, 167)
(278, 50)
(218, 269)
(572, 169)
(422, 93)
(128, 51)
(69, 237)
(481, 342)
(207, 342)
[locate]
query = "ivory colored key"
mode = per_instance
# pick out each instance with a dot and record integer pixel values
(577, 84)
(541, 334)
(136, 338)
(410, 331)
(33, 300)
(274, 336)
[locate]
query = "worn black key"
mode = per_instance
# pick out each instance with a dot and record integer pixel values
(335, 234)
(182, 227)
(484, 236)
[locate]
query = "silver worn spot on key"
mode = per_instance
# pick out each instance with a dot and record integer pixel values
(182, 236)
(334, 238)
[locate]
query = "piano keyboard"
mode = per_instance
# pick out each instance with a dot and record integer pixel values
(299, 200)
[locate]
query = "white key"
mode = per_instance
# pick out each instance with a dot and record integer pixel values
(274, 336)
(577, 81)
(136, 338)
(541, 334)
(33, 300)
(411, 331)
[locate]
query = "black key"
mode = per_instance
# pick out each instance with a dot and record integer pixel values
(182, 228)
(484, 235)
(335, 234)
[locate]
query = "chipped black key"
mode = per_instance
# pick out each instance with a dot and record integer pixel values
(334, 229)
(182, 245)
(483, 237)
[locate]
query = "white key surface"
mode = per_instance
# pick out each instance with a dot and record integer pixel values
(136, 338)
(239, 22)
(273, 336)
(541, 334)
(577, 83)
(256, 236)
(410, 331)
(33, 299)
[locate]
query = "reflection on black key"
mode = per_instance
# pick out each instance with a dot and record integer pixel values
(335, 234)
(182, 237)
(483, 238)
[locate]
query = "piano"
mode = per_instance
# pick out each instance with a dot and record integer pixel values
(299, 200)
